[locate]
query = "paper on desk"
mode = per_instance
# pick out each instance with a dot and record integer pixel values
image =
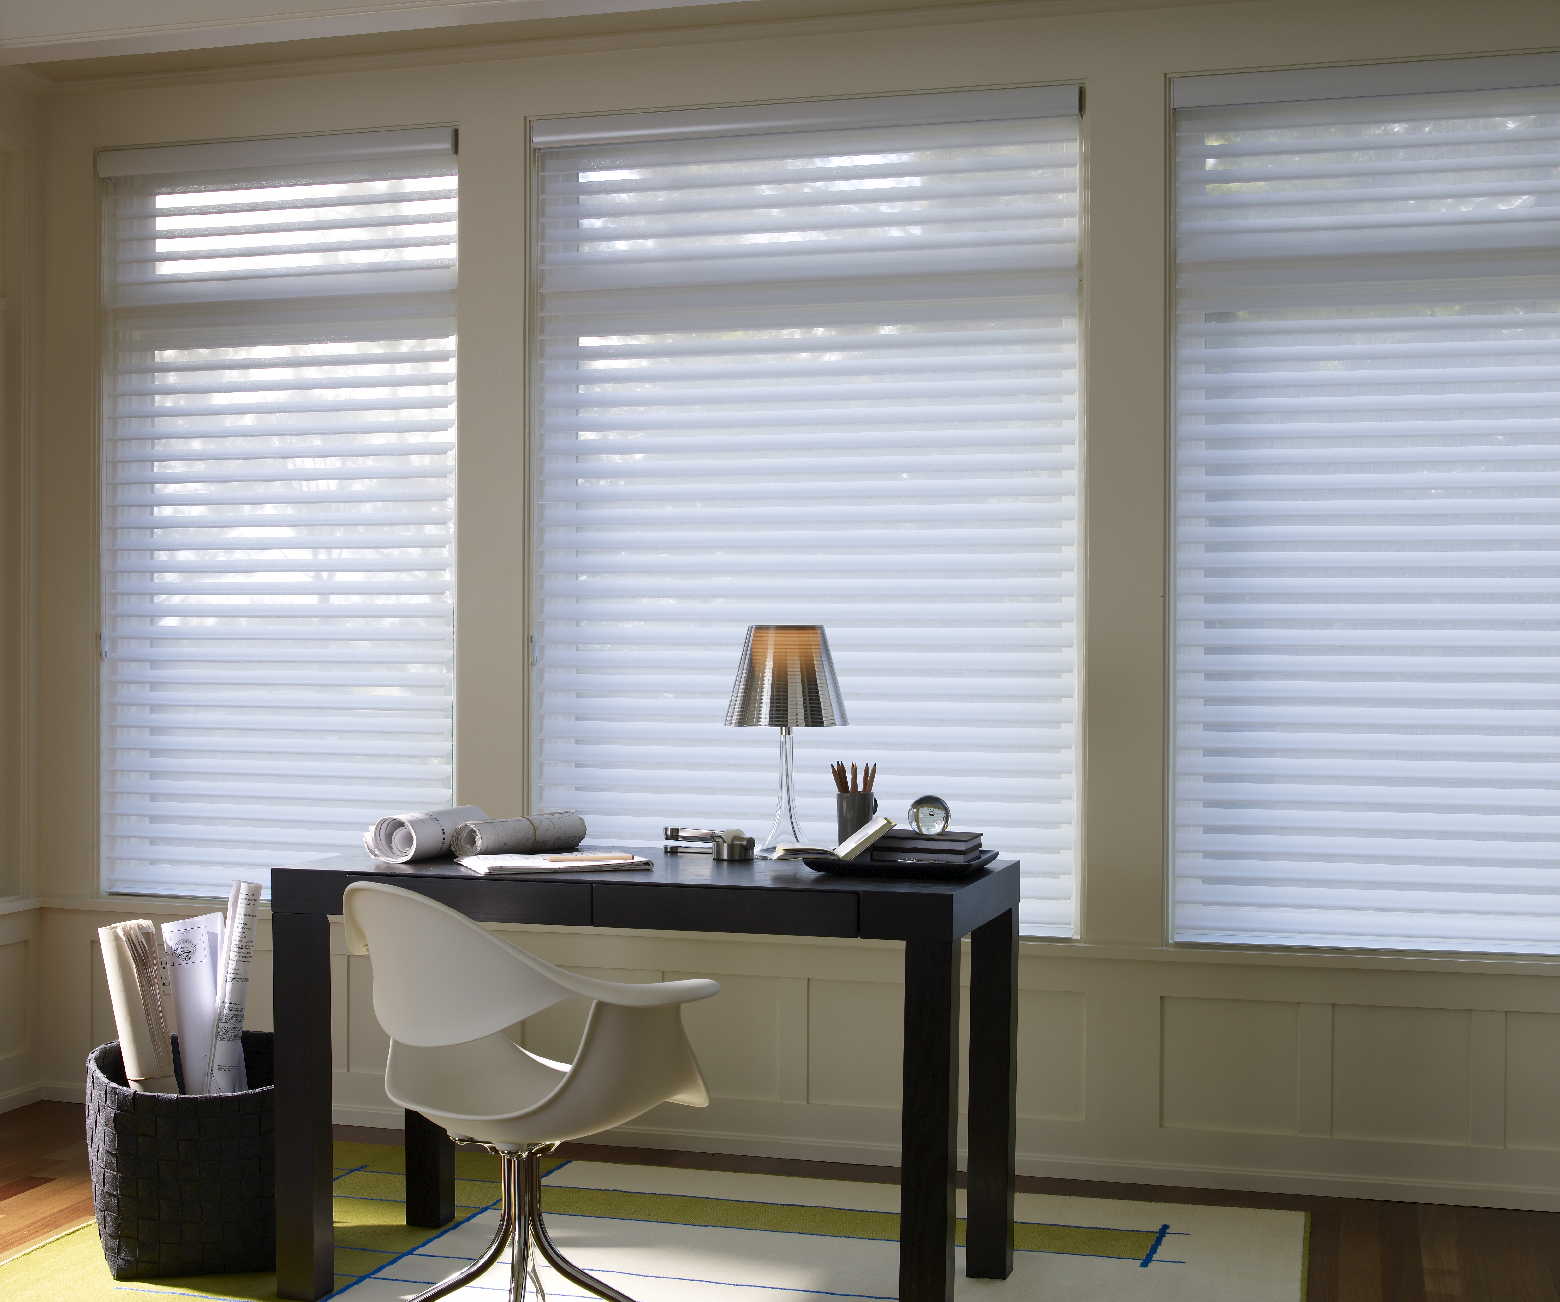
(194, 959)
(401, 838)
(504, 865)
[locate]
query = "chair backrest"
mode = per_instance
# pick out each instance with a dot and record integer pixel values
(439, 978)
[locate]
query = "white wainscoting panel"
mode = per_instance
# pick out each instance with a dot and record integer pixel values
(1265, 1074)
(18, 958)
(1052, 1050)
(1533, 1081)
(1401, 1073)
(1231, 1064)
(856, 1037)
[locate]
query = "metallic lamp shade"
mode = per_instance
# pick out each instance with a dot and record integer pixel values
(785, 679)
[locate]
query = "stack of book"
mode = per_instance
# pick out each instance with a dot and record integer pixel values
(946, 849)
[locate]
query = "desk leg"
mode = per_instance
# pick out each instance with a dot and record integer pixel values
(305, 1240)
(929, 1123)
(430, 1173)
(993, 1097)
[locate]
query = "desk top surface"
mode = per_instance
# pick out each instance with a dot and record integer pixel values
(677, 892)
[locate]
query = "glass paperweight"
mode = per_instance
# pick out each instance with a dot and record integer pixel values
(929, 814)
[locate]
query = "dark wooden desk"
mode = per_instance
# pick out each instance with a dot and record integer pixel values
(685, 893)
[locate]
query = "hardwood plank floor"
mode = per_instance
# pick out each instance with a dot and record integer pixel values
(1360, 1250)
(44, 1187)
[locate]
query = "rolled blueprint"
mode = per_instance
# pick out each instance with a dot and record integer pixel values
(141, 991)
(226, 1060)
(404, 837)
(538, 834)
(195, 957)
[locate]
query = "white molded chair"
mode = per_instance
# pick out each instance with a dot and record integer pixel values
(447, 992)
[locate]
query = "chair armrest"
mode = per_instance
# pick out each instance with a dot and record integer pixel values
(631, 994)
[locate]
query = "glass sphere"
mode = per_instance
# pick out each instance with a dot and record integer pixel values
(929, 815)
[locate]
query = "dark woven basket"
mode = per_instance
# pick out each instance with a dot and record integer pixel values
(182, 1183)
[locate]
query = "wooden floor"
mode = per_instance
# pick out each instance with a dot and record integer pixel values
(1361, 1251)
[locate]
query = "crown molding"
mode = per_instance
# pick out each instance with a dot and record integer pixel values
(324, 58)
(295, 24)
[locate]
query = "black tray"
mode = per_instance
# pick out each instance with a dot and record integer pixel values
(931, 869)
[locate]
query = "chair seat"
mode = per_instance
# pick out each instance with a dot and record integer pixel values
(494, 1081)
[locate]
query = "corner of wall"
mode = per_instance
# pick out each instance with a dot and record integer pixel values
(21, 249)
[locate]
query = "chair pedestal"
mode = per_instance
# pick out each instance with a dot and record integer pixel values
(520, 1227)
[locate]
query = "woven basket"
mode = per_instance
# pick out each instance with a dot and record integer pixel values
(182, 1183)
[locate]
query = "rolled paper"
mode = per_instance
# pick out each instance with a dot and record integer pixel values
(402, 838)
(141, 991)
(538, 834)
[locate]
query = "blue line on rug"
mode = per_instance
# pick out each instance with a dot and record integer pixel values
(1154, 1247)
(448, 1229)
(351, 1170)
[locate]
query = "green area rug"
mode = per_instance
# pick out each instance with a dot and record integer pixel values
(666, 1235)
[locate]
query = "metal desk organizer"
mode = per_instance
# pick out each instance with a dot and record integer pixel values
(730, 845)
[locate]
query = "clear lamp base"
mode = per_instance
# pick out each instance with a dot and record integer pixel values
(784, 830)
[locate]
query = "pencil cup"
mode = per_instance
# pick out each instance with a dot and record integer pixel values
(852, 810)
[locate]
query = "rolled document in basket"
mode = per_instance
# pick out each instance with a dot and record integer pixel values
(195, 957)
(141, 991)
(404, 837)
(538, 834)
(225, 1062)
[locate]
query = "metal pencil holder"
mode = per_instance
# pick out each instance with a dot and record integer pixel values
(852, 809)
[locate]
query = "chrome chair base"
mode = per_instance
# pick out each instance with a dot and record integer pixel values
(521, 1228)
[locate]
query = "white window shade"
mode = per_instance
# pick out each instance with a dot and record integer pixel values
(278, 484)
(814, 377)
(1368, 523)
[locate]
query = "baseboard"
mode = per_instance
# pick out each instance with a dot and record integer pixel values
(21, 1095)
(1238, 1179)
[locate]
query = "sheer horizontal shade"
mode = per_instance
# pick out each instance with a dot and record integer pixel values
(819, 376)
(278, 618)
(1368, 556)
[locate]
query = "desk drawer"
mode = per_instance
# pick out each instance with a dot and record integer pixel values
(727, 908)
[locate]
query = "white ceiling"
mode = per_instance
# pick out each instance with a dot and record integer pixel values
(41, 31)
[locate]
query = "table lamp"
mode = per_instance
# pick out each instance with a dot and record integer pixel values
(785, 680)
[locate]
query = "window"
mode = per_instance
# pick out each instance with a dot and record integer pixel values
(1367, 517)
(813, 364)
(277, 503)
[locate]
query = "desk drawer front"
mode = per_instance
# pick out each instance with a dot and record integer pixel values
(729, 908)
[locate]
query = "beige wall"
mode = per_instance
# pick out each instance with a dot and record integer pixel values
(20, 269)
(1406, 1078)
